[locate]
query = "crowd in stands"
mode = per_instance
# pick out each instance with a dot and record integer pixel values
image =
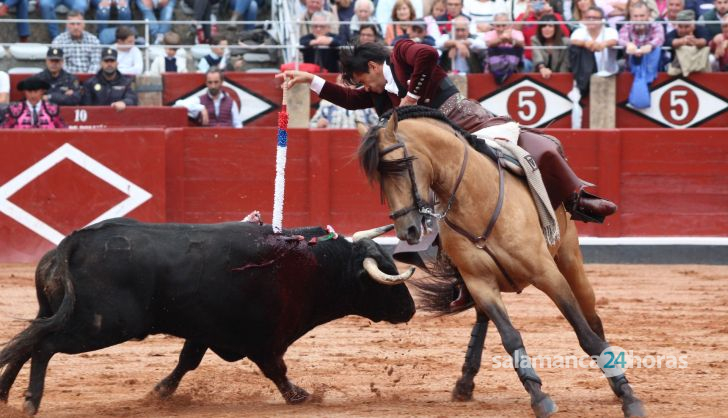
(500, 37)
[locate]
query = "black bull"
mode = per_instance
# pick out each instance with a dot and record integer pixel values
(234, 288)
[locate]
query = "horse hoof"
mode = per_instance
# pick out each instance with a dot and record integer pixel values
(545, 407)
(163, 391)
(463, 392)
(29, 408)
(634, 409)
(296, 395)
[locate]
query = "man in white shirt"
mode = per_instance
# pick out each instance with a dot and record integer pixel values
(213, 108)
(129, 57)
(600, 39)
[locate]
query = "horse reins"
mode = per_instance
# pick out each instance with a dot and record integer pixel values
(427, 209)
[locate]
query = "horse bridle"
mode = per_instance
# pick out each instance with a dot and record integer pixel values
(419, 204)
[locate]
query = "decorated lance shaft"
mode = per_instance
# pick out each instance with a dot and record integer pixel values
(280, 182)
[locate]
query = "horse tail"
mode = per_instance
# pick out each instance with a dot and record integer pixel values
(436, 292)
(23, 343)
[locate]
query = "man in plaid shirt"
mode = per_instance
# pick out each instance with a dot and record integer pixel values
(81, 50)
(640, 39)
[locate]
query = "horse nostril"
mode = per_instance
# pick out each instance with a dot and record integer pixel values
(412, 232)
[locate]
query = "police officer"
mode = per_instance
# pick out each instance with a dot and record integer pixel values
(64, 89)
(109, 87)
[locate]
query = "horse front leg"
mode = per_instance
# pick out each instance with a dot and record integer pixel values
(463, 390)
(554, 285)
(488, 300)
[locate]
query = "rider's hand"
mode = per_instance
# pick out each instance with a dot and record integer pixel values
(294, 77)
(407, 101)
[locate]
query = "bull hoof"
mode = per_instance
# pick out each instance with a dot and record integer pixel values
(463, 391)
(296, 395)
(545, 407)
(29, 408)
(634, 409)
(164, 390)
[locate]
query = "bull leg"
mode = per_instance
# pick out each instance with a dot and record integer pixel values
(488, 300)
(8, 377)
(189, 358)
(463, 390)
(274, 368)
(558, 290)
(38, 367)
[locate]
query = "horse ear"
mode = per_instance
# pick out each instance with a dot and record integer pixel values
(392, 124)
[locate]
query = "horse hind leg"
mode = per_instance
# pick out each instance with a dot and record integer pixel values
(553, 284)
(571, 264)
(488, 300)
(463, 390)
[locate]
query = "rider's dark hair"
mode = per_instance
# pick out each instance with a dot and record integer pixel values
(355, 59)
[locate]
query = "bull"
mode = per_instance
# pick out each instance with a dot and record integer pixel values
(237, 289)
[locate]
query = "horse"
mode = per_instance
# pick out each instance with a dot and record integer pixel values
(414, 150)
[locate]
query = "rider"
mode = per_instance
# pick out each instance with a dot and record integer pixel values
(410, 75)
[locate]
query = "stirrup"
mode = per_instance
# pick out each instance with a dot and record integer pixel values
(577, 212)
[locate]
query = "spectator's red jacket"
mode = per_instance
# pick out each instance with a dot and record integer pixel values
(530, 30)
(409, 61)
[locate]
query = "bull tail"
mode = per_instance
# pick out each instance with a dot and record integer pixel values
(23, 343)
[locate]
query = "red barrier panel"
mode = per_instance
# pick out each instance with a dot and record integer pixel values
(52, 182)
(98, 117)
(257, 95)
(528, 98)
(699, 100)
(666, 182)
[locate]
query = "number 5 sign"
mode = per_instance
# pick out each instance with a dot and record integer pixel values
(681, 104)
(529, 103)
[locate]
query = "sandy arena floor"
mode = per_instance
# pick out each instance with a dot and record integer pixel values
(358, 368)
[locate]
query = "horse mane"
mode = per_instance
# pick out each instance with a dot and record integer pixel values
(369, 151)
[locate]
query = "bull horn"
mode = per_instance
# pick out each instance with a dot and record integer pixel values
(372, 233)
(370, 265)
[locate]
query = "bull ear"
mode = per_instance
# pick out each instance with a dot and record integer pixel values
(392, 124)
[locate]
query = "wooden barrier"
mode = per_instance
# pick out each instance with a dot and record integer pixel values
(666, 182)
(100, 117)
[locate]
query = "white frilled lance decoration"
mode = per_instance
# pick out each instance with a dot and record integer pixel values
(282, 148)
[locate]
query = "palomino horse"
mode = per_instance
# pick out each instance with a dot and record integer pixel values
(423, 152)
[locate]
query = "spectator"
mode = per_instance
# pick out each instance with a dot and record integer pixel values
(321, 47)
(103, 12)
(109, 87)
(214, 107)
(437, 9)
(21, 12)
(149, 10)
(598, 38)
(690, 46)
(505, 48)
(80, 48)
(453, 8)
(462, 53)
(516, 8)
(33, 112)
(344, 13)
(63, 87)
(719, 11)
(313, 6)
(642, 42)
(48, 12)
(202, 12)
(673, 8)
(368, 33)
(384, 9)
(555, 58)
(363, 14)
(174, 59)
(578, 10)
(332, 116)
(536, 10)
(403, 11)
(217, 58)
(245, 10)
(719, 47)
(417, 32)
(130, 57)
(4, 87)
(482, 12)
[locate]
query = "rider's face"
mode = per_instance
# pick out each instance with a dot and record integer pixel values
(373, 81)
